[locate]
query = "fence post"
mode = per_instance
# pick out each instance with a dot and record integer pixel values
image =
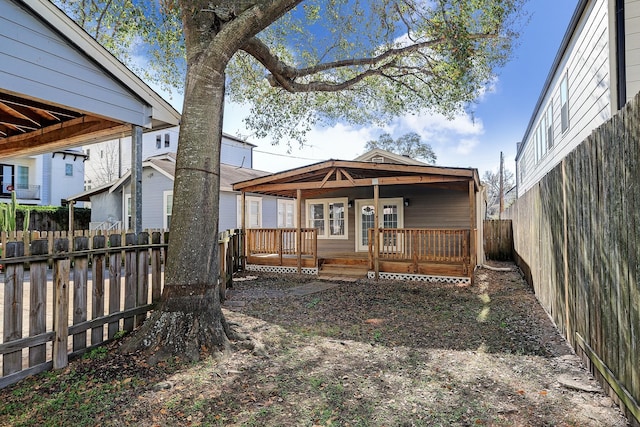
(61, 270)
(142, 297)
(80, 276)
(130, 279)
(156, 268)
(115, 268)
(38, 301)
(13, 300)
(97, 300)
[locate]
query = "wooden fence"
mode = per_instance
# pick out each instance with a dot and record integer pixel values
(498, 239)
(62, 296)
(577, 238)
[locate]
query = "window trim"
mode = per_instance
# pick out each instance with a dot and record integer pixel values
(325, 203)
(282, 204)
(165, 206)
(247, 213)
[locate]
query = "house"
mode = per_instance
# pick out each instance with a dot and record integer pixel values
(60, 89)
(110, 160)
(595, 73)
(111, 203)
(33, 177)
(386, 217)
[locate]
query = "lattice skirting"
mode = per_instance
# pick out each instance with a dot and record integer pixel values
(420, 278)
(281, 269)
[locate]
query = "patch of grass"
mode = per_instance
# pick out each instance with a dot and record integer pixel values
(313, 302)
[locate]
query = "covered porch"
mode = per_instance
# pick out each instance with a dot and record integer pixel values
(350, 221)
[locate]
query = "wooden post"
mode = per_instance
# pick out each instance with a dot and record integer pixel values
(130, 279)
(142, 288)
(565, 261)
(80, 277)
(72, 204)
(115, 268)
(156, 268)
(299, 230)
(222, 279)
(244, 230)
(61, 273)
(376, 234)
(136, 179)
(472, 233)
(13, 300)
(97, 299)
(38, 303)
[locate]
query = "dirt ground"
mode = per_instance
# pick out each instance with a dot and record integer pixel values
(362, 354)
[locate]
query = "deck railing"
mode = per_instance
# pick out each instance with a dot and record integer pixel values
(421, 245)
(282, 243)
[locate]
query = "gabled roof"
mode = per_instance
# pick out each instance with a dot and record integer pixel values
(387, 157)
(331, 175)
(35, 116)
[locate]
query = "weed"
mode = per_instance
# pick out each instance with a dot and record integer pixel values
(119, 334)
(97, 353)
(313, 302)
(377, 336)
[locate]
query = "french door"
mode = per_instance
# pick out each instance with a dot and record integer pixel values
(390, 215)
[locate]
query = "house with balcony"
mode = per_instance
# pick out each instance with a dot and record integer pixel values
(596, 71)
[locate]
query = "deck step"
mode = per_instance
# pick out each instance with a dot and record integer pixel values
(343, 270)
(347, 262)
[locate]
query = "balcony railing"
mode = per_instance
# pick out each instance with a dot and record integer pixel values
(278, 246)
(24, 192)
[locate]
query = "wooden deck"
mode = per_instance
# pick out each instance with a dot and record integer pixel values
(401, 252)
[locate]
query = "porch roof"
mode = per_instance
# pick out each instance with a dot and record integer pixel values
(331, 175)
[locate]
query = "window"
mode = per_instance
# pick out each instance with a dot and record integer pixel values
(252, 211)
(329, 217)
(6, 179)
(167, 140)
(68, 169)
(127, 204)
(167, 209)
(158, 141)
(564, 104)
(549, 124)
(23, 178)
(286, 213)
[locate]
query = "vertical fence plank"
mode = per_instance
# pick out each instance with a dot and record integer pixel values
(142, 297)
(115, 268)
(38, 301)
(97, 294)
(13, 300)
(61, 272)
(156, 268)
(80, 278)
(130, 279)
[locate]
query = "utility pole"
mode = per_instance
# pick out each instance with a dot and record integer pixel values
(501, 186)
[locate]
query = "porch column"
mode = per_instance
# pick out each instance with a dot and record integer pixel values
(244, 231)
(376, 233)
(136, 179)
(299, 229)
(472, 230)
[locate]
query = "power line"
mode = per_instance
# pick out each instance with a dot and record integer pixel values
(287, 155)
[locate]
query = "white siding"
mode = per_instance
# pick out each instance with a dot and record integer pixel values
(36, 61)
(106, 206)
(632, 46)
(62, 185)
(154, 184)
(586, 64)
(228, 211)
(236, 153)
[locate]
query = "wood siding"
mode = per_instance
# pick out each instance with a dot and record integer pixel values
(585, 62)
(38, 62)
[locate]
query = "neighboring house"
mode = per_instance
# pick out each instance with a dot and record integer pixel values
(110, 160)
(111, 203)
(595, 73)
(45, 179)
(428, 220)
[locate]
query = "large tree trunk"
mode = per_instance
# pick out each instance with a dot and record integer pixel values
(190, 320)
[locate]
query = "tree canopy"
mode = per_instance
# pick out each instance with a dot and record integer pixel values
(409, 144)
(320, 61)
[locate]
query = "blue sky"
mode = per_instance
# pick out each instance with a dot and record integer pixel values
(498, 121)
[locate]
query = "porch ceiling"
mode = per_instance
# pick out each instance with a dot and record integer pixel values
(30, 127)
(337, 174)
